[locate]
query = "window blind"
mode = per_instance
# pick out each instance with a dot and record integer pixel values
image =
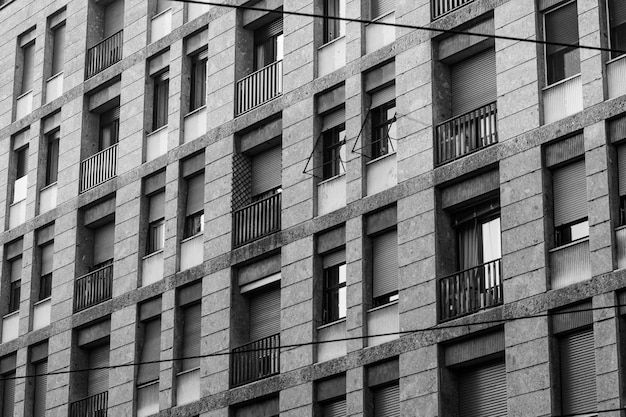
(47, 259)
(382, 96)
(617, 12)
(473, 82)
(385, 263)
(58, 48)
(334, 258)
(150, 351)
(41, 387)
(157, 207)
(561, 25)
(387, 401)
(8, 394)
(98, 379)
(28, 55)
(621, 169)
(103, 243)
(191, 336)
(267, 170)
(336, 408)
(569, 193)
(195, 194)
(482, 391)
(264, 313)
(381, 7)
(16, 269)
(578, 373)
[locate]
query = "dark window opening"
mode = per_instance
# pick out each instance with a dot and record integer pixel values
(334, 298)
(333, 152)
(383, 129)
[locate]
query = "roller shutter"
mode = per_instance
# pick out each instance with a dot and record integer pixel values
(473, 82)
(103, 243)
(383, 96)
(98, 380)
(191, 336)
(382, 7)
(334, 258)
(267, 170)
(621, 165)
(58, 48)
(157, 207)
(482, 391)
(150, 351)
(334, 408)
(570, 193)
(41, 387)
(270, 30)
(333, 119)
(8, 395)
(387, 401)
(114, 17)
(195, 194)
(265, 313)
(385, 263)
(28, 52)
(578, 373)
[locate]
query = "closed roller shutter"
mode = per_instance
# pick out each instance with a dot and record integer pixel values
(267, 170)
(157, 207)
(8, 395)
(58, 47)
(482, 391)
(578, 373)
(621, 165)
(103, 243)
(383, 96)
(98, 380)
(265, 314)
(385, 263)
(473, 82)
(191, 336)
(195, 194)
(387, 401)
(334, 258)
(150, 351)
(617, 12)
(41, 386)
(382, 7)
(570, 193)
(334, 409)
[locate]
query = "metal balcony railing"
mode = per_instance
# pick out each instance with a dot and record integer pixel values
(441, 7)
(257, 220)
(94, 406)
(467, 133)
(104, 54)
(98, 168)
(259, 87)
(255, 360)
(468, 291)
(93, 288)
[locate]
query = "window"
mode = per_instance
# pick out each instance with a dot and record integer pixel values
(197, 96)
(21, 162)
(194, 210)
(478, 236)
(334, 151)
(46, 253)
(561, 26)
(156, 223)
(570, 203)
(266, 173)
(58, 48)
(268, 44)
(379, 8)
(15, 265)
(384, 129)
(39, 366)
(330, 395)
(384, 388)
(161, 85)
(334, 28)
(109, 128)
(617, 26)
(150, 353)
(52, 157)
(621, 164)
(188, 376)
(7, 385)
(28, 63)
(385, 268)
(98, 362)
(334, 287)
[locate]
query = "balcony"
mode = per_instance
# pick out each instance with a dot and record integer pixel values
(441, 7)
(259, 87)
(104, 54)
(93, 288)
(570, 264)
(257, 220)
(562, 99)
(255, 360)
(98, 169)
(467, 133)
(94, 406)
(471, 290)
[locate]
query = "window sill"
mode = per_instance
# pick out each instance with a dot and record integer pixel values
(155, 253)
(567, 245)
(147, 384)
(187, 239)
(382, 307)
(8, 316)
(154, 132)
(156, 16)
(25, 94)
(45, 187)
(563, 81)
(198, 110)
(188, 371)
(330, 179)
(45, 300)
(381, 17)
(610, 61)
(337, 39)
(58, 74)
(387, 155)
(331, 324)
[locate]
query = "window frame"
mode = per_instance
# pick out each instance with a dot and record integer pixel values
(160, 100)
(548, 63)
(613, 34)
(333, 293)
(53, 140)
(155, 239)
(333, 144)
(381, 125)
(333, 28)
(197, 81)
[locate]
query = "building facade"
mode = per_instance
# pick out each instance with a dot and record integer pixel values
(212, 211)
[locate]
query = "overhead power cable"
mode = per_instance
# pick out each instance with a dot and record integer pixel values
(292, 346)
(403, 26)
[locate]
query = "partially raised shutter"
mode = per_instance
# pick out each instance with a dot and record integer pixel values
(570, 193)
(333, 119)
(387, 401)
(270, 30)
(191, 336)
(382, 96)
(578, 373)
(103, 243)
(334, 409)
(621, 166)
(195, 194)
(150, 352)
(58, 47)
(382, 7)
(482, 391)
(28, 52)
(157, 207)
(8, 395)
(473, 82)
(41, 387)
(265, 313)
(267, 170)
(385, 263)
(98, 380)
(334, 258)
(617, 12)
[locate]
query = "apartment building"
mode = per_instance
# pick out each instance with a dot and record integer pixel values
(231, 211)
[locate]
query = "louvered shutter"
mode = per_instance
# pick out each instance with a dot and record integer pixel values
(98, 380)
(41, 387)
(482, 391)
(157, 207)
(382, 7)
(8, 395)
(570, 193)
(150, 351)
(334, 258)
(195, 194)
(264, 314)
(58, 49)
(382, 96)
(385, 263)
(387, 401)
(267, 170)
(103, 243)
(191, 336)
(28, 52)
(578, 373)
(473, 82)
(334, 409)
(621, 166)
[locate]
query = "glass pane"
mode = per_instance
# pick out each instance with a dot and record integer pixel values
(580, 230)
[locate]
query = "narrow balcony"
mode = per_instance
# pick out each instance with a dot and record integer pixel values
(257, 220)
(255, 360)
(104, 54)
(93, 288)
(441, 7)
(259, 87)
(467, 133)
(98, 168)
(94, 406)
(569, 264)
(471, 290)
